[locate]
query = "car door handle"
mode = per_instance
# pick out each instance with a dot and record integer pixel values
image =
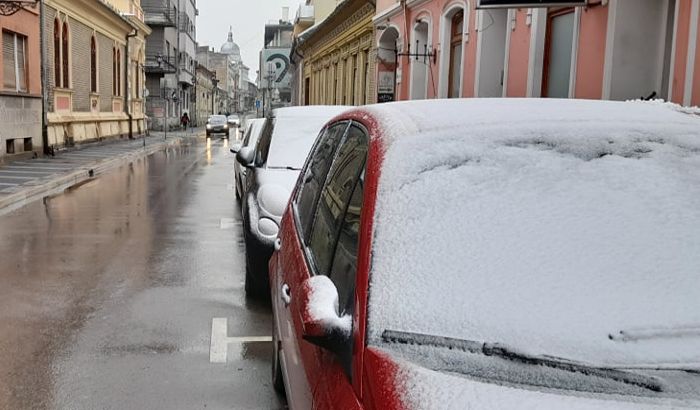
(278, 244)
(286, 295)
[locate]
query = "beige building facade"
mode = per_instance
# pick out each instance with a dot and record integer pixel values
(335, 60)
(95, 53)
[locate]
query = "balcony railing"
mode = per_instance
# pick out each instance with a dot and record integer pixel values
(160, 64)
(160, 16)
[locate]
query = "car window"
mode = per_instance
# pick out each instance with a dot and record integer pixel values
(335, 198)
(263, 147)
(248, 131)
(315, 174)
(344, 267)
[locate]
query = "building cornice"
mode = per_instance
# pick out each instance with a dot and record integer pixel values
(321, 37)
(96, 15)
(387, 14)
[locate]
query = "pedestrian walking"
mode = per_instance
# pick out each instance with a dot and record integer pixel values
(184, 120)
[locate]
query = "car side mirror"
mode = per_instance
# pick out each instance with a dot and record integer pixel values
(235, 147)
(245, 156)
(321, 323)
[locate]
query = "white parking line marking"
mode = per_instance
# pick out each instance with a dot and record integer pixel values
(229, 187)
(227, 223)
(218, 350)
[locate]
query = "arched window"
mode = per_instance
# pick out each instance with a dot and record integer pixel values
(57, 53)
(137, 81)
(93, 65)
(456, 29)
(65, 55)
(114, 71)
(119, 72)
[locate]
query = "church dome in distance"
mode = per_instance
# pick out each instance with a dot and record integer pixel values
(230, 48)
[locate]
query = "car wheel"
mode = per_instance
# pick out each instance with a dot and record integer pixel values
(252, 287)
(277, 378)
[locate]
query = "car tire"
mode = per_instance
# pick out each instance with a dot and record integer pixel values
(252, 287)
(277, 377)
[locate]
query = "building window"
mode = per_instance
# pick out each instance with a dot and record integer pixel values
(14, 53)
(114, 71)
(137, 74)
(93, 65)
(57, 53)
(119, 72)
(365, 80)
(65, 55)
(456, 29)
(353, 97)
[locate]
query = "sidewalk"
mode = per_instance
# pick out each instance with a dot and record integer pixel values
(27, 180)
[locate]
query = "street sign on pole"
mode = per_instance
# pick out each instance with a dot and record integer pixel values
(257, 103)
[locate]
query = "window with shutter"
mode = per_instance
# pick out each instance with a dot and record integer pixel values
(114, 71)
(14, 61)
(21, 63)
(119, 73)
(57, 53)
(8, 56)
(64, 57)
(93, 65)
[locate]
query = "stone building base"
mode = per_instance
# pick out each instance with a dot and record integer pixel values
(69, 129)
(20, 134)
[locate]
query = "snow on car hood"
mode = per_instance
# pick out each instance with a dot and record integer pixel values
(414, 386)
(557, 227)
(296, 129)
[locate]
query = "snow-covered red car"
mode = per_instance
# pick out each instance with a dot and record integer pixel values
(493, 254)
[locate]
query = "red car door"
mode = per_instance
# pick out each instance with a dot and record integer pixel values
(328, 225)
(290, 262)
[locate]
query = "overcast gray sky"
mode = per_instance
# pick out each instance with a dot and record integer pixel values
(248, 19)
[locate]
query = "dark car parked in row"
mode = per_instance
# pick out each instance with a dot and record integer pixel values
(272, 168)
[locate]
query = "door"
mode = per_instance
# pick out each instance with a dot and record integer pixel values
(327, 210)
(293, 261)
(558, 53)
(338, 222)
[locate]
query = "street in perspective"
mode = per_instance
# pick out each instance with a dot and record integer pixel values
(356, 204)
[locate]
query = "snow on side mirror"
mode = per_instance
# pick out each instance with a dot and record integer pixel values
(322, 325)
(245, 156)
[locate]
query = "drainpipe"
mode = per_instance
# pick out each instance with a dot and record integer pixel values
(44, 82)
(127, 89)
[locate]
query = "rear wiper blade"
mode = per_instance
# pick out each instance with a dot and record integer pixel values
(508, 353)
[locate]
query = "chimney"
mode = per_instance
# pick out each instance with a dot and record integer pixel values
(285, 14)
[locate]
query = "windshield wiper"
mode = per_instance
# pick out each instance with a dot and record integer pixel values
(287, 168)
(508, 353)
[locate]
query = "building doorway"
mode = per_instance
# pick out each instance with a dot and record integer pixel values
(455, 74)
(493, 36)
(420, 63)
(558, 53)
(387, 64)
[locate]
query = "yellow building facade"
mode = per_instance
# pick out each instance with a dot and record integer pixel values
(95, 59)
(336, 59)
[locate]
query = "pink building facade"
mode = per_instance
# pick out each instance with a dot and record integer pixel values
(610, 49)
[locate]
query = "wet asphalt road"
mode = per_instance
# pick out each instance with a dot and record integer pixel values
(108, 291)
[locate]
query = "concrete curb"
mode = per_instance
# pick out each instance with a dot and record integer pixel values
(30, 193)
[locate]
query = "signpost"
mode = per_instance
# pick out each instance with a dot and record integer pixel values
(503, 4)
